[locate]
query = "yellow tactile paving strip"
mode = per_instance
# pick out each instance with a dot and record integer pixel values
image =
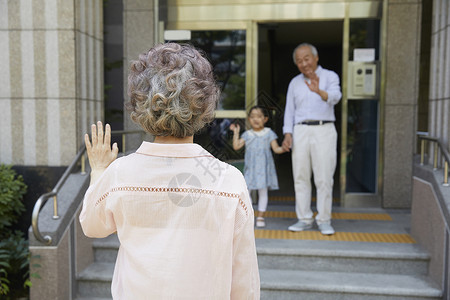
(292, 199)
(281, 198)
(338, 236)
(337, 216)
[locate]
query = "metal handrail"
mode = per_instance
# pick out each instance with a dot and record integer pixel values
(123, 133)
(423, 136)
(44, 198)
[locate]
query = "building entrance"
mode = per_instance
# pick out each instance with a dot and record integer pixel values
(276, 42)
(250, 46)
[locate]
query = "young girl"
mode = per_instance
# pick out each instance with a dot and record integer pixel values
(259, 169)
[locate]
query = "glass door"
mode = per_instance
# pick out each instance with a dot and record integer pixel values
(361, 106)
(276, 43)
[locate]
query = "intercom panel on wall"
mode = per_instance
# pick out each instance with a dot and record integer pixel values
(363, 80)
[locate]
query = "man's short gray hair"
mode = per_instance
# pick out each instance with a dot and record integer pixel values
(313, 50)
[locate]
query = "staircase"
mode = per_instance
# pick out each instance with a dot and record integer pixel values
(370, 257)
(343, 270)
(94, 282)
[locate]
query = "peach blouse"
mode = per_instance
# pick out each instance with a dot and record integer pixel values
(185, 224)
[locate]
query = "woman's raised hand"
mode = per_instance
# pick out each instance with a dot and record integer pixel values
(99, 152)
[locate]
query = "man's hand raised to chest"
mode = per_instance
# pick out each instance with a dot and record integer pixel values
(314, 86)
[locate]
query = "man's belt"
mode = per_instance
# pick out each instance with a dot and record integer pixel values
(315, 122)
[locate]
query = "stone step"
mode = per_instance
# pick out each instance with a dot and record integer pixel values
(105, 249)
(95, 280)
(312, 285)
(335, 256)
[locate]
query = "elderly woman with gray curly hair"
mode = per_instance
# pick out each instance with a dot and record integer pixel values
(184, 219)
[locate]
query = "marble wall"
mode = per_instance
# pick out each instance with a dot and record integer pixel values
(401, 100)
(51, 83)
(139, 36)
(89, 65)
(429, 234)
(439, 101)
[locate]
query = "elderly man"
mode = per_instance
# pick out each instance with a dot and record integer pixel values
(309, 130)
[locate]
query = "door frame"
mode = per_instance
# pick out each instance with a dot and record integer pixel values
(246, 15)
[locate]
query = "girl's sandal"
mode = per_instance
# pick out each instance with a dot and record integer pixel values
(260, 222)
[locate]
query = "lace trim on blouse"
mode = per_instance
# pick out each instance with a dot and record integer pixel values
(171, 190)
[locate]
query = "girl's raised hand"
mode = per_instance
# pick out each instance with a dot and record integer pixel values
(237, 142)
(99, 152)
(235, 128)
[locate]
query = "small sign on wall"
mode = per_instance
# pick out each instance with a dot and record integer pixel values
(366, 55)
(177, 35)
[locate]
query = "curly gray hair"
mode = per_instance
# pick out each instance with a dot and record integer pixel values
(172, 90)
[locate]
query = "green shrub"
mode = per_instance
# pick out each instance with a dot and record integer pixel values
(4, 266)
(14, 253)
(15, 263)
(12, 190)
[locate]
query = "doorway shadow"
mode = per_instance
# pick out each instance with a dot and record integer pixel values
(276, 42)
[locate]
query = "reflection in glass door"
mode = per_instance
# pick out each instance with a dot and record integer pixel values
(226, 51)
(362, 146)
